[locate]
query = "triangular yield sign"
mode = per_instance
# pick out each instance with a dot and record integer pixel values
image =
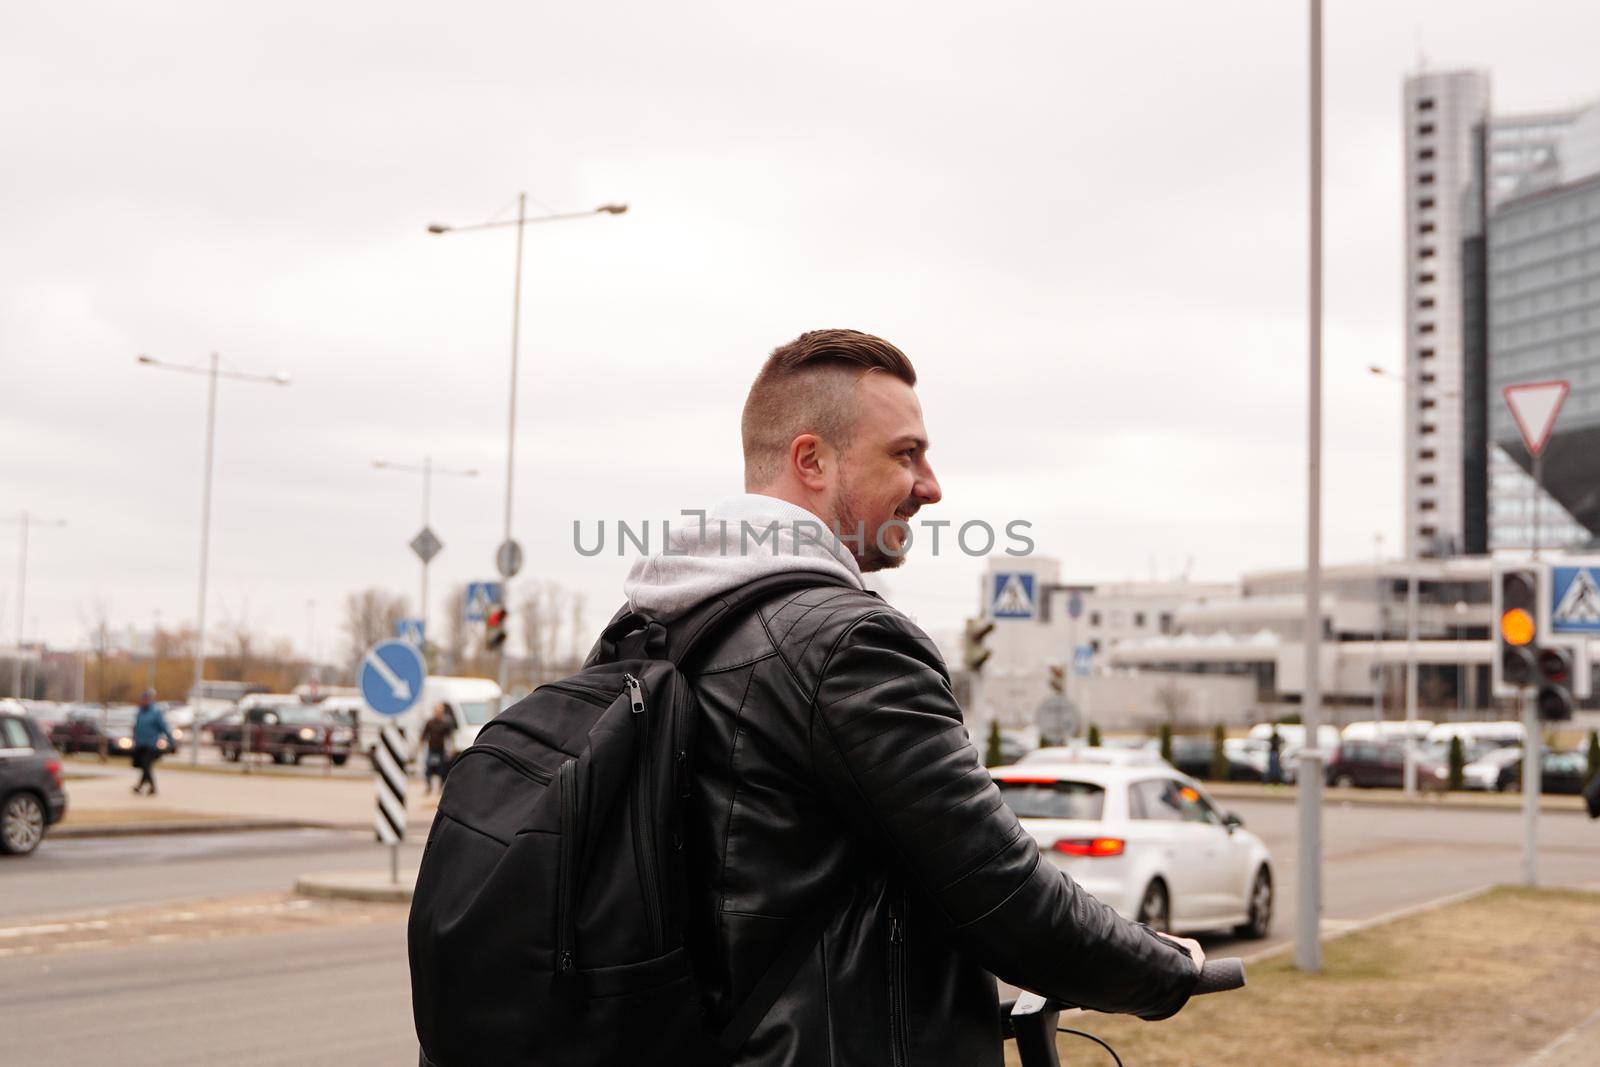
(1535, 406)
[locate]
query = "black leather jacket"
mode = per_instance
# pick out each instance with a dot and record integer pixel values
(833, 772)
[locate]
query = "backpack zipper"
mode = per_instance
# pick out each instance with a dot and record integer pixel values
(567, 875)
(514, 761)
(644, 839)
(897, 990)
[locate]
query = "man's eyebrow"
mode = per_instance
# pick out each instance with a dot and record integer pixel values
(910, 439)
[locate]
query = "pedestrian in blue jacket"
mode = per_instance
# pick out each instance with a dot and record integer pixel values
(149, 727)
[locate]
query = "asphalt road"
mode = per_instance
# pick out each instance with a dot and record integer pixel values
(70, 875)
(337, 995)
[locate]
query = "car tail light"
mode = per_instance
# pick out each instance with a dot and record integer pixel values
(53, 769)
(1090, 846)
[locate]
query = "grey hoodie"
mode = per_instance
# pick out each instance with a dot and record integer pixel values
(741, 539)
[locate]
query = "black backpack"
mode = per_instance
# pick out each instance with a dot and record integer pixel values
(548, 921)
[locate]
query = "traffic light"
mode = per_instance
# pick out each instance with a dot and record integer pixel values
(1516, 604)
(973, 654)
(1555, 684)
(1058, 678)
(494, 627)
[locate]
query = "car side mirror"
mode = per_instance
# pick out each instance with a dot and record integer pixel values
(1233, 821)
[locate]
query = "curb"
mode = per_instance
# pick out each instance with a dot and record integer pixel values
(209, 826)
(1556, 1048)
(1548, 805)
(338, 887)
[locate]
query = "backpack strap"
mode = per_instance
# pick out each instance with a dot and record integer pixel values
(779, 973)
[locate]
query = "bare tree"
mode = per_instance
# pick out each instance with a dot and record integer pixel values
(370, 617)
(1172, 700)
(457, 634)
(580, 632)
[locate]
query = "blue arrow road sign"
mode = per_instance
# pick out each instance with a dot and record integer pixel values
(481, 596)
(409, 630)
(391, 677)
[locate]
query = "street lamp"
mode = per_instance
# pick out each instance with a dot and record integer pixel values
(1412, 583)
(427, 552)
(24, 519)
(509, 555)
(212, 372)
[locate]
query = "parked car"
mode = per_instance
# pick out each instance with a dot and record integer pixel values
(31, 796)
(1381, 764)
(1191, 754)
(1121, 757)
(1484, 771)
(286, 732)
(1148, 842)
(78, 730)
(1559, 772)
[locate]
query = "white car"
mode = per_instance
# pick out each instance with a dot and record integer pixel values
(1147, 841)
(1120, 757)
(1484, 772)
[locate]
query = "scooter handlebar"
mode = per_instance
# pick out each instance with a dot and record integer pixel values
(1218, 976)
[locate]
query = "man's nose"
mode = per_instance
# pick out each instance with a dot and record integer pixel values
(927, 489)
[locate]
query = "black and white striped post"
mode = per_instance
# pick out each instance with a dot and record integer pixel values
(389, 820)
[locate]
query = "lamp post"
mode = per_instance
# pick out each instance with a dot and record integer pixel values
(427, 470)
(212, 372)
(1413, 581)
(520, 222)
(24, 519)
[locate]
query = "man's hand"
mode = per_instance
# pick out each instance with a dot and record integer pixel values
(1196, 953)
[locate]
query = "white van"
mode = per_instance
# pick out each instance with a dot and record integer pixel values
(470, 702)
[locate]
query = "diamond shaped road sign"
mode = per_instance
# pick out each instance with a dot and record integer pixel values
(1535, 406)
(426, 545)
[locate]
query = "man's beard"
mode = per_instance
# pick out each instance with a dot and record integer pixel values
(863, 541)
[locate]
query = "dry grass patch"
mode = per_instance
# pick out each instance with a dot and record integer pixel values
(80, 817)
(1484, 983)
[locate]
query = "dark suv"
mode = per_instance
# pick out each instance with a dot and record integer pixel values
(286, 732)
(1381, 764)
(31, 797)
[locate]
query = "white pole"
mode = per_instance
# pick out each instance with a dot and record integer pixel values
(1412, 584)
(205, 551)
(1532, 773)
(422, 609)
(1308, 916)
(511, 432)
(22, 597)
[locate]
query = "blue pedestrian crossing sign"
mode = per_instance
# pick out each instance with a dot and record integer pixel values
(409, 630)
(481, 597)
(1575, 600)
(1011, 596)
(392, 673)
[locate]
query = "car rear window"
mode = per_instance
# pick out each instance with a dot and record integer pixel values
(13, 734)
(1051, 798)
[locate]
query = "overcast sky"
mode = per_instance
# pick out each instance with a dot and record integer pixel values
(1084, 223)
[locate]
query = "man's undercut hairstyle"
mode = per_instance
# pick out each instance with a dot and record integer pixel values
(808, 386)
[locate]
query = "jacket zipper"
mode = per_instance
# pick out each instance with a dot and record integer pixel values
(644, 839)
(511, 759)
(899, 1052)
(567, 874)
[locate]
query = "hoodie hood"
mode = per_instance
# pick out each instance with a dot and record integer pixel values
(741, 539)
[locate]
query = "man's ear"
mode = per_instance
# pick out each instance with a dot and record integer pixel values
(812, 460)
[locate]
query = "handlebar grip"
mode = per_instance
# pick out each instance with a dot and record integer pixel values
(1218, 976)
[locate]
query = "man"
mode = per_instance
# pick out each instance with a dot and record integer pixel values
(436, 737)
(149, 727)
(832, 771)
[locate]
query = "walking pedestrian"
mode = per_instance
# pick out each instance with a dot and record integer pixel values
(149, 727)
(1275, 759)
(436, 736)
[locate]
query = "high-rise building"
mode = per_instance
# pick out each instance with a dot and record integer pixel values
(1443, 112)
(1543, 297)
(1462, 491)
